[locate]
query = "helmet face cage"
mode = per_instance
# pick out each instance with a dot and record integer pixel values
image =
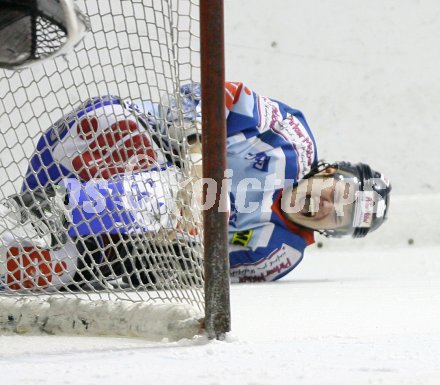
(371, 200)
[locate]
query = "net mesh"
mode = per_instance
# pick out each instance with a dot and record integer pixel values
(98, 173)
(49, 37)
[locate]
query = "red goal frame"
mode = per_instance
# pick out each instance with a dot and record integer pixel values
(217, 293)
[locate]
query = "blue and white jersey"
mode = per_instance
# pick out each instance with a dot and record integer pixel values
(269, 147)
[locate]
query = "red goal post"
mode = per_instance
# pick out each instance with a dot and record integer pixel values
(217, 320)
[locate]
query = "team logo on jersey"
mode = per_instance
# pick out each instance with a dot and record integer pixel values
(269, 113)
(294, 132)
(261, 161)
(241, 238)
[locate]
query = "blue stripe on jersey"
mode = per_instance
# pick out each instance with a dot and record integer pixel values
(238, 123)
(285, 109)
(276, 141)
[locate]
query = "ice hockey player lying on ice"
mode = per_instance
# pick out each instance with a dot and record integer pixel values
(279, 193)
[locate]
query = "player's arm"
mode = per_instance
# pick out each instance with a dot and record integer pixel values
(263, 265)
(142, 202)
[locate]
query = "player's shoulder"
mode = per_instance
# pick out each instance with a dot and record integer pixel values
(91, 106)
(102, 105)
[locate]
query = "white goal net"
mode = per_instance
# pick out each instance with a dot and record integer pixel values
(100, 230)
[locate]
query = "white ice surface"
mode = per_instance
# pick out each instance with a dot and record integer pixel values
(353, 317)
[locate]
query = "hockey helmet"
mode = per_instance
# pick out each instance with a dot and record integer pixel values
(371, 199)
